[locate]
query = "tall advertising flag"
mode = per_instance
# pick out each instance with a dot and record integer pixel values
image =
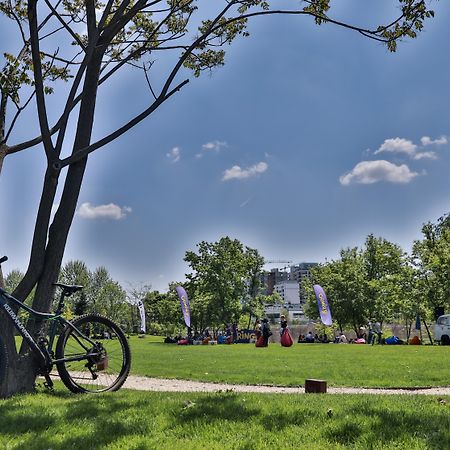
(184, 302)
(140, 305)
(322, 303)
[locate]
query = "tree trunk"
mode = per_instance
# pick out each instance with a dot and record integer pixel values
(3, 148)
(22, 368)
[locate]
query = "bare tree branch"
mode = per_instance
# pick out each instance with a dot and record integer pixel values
(82, 153)
(39, 84)
(64, 24)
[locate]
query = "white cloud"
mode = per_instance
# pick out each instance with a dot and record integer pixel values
(426, 140)
(398, 145)
(110, 211)
(174, 155)
(214, 145)
(407, 147)
(425, 155)
(369, 172)
(236, 172)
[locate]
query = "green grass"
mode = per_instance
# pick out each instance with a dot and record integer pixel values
(151, 420)
(340, 365)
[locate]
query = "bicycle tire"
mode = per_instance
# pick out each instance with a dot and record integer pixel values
(95, 374)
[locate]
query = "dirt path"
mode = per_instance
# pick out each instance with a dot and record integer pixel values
(169, 385)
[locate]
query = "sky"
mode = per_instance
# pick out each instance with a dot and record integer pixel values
(306, 141)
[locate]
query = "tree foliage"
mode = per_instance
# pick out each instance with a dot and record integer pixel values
(432, 258)
(100, 293)
(372, 283)
(223, 278)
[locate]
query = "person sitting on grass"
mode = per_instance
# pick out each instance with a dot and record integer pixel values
(309, 338)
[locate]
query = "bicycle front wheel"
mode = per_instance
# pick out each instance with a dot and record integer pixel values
(95, 353)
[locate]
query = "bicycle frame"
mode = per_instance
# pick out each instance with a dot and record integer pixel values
(45, 359)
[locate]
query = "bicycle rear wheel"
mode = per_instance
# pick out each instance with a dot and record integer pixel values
(98, 364)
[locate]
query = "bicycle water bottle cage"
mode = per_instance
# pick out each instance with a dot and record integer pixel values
(68, 289)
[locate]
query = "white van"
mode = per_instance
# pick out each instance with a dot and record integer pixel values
(442, 330)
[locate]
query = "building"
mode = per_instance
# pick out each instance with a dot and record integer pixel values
(301, 273)
(288, 284)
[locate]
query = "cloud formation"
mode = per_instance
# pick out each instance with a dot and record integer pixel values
(214, 145)
(426, 140)
(407, 147)
(370, 172)
(174, 155)
(110, 211)
(236, 172)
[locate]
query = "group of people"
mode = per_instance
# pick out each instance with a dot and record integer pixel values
(374, 333)
(263, 333)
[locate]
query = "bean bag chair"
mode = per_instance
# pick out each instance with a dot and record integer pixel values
(260, 342)
(286, 339)
(183, 342)
(392, 340)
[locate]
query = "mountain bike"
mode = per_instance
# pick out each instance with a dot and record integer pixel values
(91, 352)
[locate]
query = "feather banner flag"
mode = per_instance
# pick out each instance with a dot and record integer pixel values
(140, 305)
(184, 302)
(322, 303)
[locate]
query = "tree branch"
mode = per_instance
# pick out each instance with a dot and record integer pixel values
(82, 153)
(38, 80)
(64, 24)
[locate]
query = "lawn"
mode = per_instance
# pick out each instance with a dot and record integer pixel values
(340, 365)
(224, 420)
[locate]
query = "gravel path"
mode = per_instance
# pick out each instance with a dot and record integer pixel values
(169, 385)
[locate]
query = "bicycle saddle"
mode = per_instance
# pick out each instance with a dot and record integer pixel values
(69, 289)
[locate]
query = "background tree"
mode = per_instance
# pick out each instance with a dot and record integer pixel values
(95, 41)
(76, 272)
(221, 271)
(384, 262)
(163, 312)
(372, 283)
(343, 282)
(432, 258)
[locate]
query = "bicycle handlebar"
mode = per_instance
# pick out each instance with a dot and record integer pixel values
(3, 259)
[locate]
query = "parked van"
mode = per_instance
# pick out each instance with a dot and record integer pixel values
(442, 330)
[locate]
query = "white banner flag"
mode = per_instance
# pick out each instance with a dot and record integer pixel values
(142, 313)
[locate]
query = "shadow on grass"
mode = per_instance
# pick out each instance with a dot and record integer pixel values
(219, 407)
(380, 424)
(71, 421)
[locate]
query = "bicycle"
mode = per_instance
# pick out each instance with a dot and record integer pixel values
(91, 353)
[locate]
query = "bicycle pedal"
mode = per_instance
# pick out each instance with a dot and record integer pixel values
(48, 384)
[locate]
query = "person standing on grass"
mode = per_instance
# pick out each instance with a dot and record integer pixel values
(257, 329)
(283, 325)
(266, 332)
(371, 335)
(378, 332)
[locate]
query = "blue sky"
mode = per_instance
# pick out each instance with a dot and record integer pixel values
(306, 141)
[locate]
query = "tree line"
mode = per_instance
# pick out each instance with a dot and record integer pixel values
(377, 282)
(382, 282)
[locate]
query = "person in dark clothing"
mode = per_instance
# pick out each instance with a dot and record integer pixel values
(266, 332)
(283, 325)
